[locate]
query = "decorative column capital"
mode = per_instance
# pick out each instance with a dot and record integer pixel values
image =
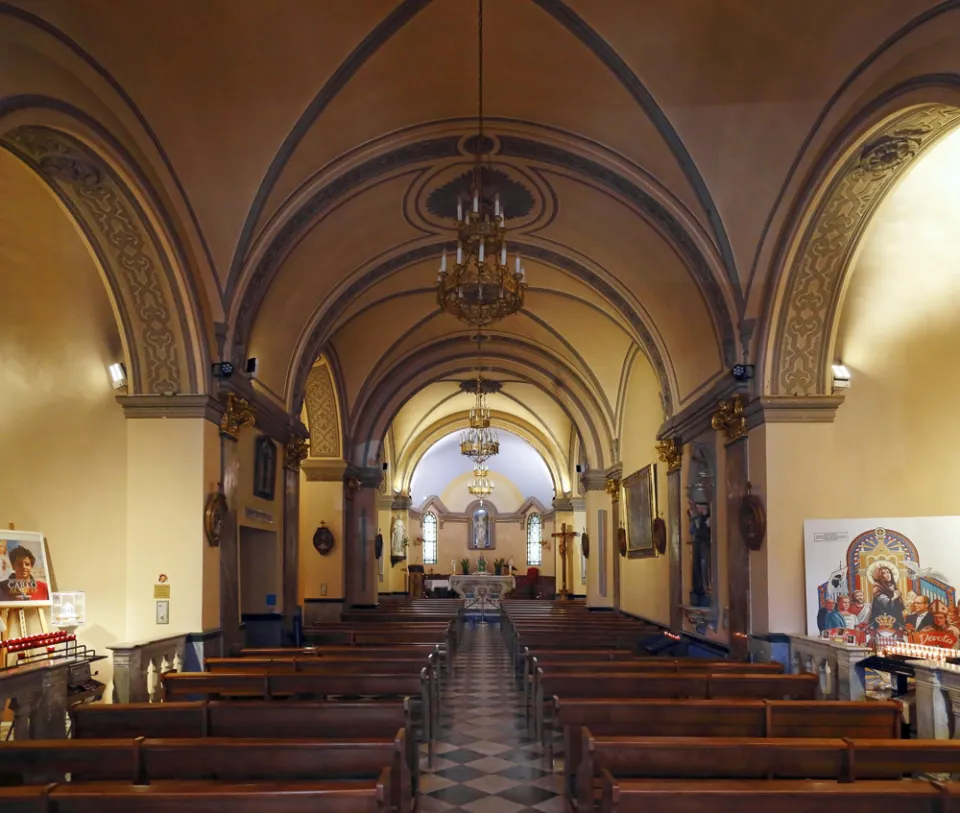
(562, 504)
(237, 415)
(670, 451)
(357, 477)
(729, 418)
(612, 487)
(792, 409)
(296, 451)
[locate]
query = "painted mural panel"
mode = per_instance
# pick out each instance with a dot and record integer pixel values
(884, 580)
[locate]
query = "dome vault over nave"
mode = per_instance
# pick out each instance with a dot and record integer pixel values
(689, 186)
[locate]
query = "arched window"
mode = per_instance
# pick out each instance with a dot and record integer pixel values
(430, 538)
(534, 548)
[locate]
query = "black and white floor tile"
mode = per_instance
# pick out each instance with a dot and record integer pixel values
(486, 761)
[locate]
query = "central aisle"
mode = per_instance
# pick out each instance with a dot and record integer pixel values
(486, 762)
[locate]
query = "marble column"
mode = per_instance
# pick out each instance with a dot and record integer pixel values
(360, 532)
(612, 487)
(295, 452)
(670, 452)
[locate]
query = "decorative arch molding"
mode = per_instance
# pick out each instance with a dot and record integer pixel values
(318, 333)
(323, 412)
(861, 169)
(521, 143)
(165, 347)
(417, 447)
(449, 357)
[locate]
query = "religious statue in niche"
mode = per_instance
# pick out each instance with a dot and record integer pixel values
(398, 541)
(480, 538)
(264, 468)
(700, 498)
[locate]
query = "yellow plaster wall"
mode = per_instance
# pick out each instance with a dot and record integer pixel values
(506, 496)
(62, 434)
(320, 501)
(644, 583)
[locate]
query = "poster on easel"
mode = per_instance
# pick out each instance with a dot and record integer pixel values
(884, 580)
(24, 575)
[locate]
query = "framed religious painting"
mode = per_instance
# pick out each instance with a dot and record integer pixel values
(264, 468)
(24, 575)
(639, 494)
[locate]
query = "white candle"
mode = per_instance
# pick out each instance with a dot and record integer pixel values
(503, 256)
(459, 210)
(518, 263)
(443, 262)
(476, 203)
(459, 254)
(496, 205)
(481, 250)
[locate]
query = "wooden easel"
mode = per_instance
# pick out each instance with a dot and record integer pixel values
(21, 617)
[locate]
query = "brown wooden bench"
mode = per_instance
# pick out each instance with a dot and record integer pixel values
(144, 761)
(769, 796)
(872, 720)
(404, 652)
(707, 686)
(186, 796)
(636, 664)
(289, 720)
(697, 758)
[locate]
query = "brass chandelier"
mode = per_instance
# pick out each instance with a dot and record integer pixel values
(480, 442)
(481, 485)
(480, 289)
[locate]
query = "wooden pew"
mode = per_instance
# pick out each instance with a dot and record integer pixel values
(698, 758)
(266, 686)
(766, 796)
(707, 686)
(398, 652)
(720, 718)
(289, 720)
(637, 664)
(186, 796)
(145, 761)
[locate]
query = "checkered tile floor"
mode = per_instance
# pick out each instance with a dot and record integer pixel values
(486, 761)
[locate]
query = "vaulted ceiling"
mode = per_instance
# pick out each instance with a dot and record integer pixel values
(309, 148)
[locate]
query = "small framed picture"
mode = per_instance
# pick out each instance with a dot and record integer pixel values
(163, 612)
(850, 639)
(825, 635)
(264, 468)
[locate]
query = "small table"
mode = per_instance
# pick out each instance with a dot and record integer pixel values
(482, 590)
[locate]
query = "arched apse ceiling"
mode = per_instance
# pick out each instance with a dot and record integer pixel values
(518, 462)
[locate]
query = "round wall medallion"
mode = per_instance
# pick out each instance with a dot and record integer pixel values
(214, 515)
(378, 546)
(752, 520)
(622, 541)
(585, 544)
(660, 535)
(323, 540)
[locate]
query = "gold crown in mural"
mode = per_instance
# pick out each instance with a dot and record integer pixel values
(886, 622)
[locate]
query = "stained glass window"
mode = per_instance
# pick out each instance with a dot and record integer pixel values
(534, 549)
(430, 538)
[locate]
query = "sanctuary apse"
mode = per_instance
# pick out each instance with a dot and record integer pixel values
(279, 439)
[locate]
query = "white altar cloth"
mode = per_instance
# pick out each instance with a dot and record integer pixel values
(481, 590)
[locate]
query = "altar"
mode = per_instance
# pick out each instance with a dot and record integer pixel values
(481, 590)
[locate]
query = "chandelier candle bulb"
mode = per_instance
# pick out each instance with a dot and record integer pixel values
(459, 254)
(503, 255)
(460, 210)
(496, 205)
(481, 250)
(476, 203)
(518, 264)
(443, 262)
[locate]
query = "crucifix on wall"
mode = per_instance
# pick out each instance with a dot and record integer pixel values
(563, 535)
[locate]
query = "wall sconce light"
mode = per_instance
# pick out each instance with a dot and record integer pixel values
(841, 377)
(118, 376)
(742, 372)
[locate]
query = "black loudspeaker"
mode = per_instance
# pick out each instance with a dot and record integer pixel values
(579, 469)
(386, 466)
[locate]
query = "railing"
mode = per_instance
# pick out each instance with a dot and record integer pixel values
(137, 667)
(938, 700)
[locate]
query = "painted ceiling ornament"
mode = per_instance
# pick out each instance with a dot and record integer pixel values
(481, 288)
(237, 415)
(889, 151)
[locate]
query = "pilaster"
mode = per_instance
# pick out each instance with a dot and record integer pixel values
(360, 563)
(321, 505)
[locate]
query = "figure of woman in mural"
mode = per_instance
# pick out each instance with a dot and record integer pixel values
(887, 600)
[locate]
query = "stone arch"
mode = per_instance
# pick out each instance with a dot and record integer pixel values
(323, 412)
(860, 170)
(164, 344)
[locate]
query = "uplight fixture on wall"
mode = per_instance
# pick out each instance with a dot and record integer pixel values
(841, 377)
(118, 376)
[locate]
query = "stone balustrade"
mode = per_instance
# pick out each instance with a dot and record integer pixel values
(836, 665)
(938, 700)
(138, 665)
